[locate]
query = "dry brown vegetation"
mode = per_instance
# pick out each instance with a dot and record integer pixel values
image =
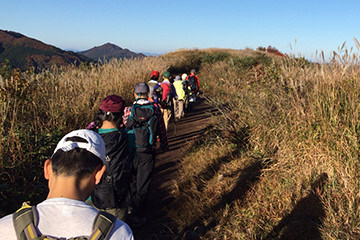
(282, 163)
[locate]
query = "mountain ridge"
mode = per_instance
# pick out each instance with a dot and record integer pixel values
(108, 51)
(24, 52)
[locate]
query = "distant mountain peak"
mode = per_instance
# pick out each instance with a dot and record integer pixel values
(24, 52)
(108, 51)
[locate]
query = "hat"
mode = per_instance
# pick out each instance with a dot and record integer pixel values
(93, 144)
(166, 74)
(154, 74)
(142, 88)
(183, 76)
(177, 78)
(113, 103)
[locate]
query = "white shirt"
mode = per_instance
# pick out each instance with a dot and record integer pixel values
(66, 218)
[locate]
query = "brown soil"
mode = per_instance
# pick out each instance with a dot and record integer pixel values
(166, 172)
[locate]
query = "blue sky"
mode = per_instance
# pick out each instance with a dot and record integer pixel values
(164, 26)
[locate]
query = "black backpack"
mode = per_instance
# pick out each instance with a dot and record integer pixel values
(144, 122)
(192, 83)
(26, 220)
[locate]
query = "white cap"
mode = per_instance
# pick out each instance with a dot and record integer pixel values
(183, 77)
(94, 143)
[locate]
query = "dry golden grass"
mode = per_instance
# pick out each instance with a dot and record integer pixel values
(283, 162)
(298, 175)
(37, 109)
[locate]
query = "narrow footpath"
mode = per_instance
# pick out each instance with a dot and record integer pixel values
(167, 166)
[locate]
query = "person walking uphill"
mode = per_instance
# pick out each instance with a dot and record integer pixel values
(113, 190)
(179, 102)
(143, 121)
(193, 85)
(164, 97)
(73, 170)
(153, 82)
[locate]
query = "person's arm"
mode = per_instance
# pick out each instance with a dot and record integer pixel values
(197, 83)
(164, 145)
(127, 113)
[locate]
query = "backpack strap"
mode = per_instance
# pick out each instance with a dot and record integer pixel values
(103, 224)
(25, 221)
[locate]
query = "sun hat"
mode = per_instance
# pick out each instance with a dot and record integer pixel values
(142, 88)
(113, 103)
(166, 74)
(92, 143)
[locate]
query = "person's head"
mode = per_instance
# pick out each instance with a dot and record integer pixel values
(166, 75)
(177, 78)
(141, 91)
(78, 162)
(193, 71)
(154, 75)
(183, 76)
(111, 110)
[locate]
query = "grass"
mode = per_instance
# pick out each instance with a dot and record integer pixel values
(295, 126)
(282, 162)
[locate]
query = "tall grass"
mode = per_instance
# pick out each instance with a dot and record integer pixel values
(37, 109)
(286, 164)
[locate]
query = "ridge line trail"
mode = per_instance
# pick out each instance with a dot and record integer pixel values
(167, 166)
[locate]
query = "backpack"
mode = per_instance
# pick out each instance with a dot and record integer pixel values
(144, 122)
(158, 92)
(192, 83)
(26, 220)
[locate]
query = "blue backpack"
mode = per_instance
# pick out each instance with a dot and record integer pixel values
(144, 124)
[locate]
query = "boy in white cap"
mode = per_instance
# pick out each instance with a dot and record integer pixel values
(74, 169)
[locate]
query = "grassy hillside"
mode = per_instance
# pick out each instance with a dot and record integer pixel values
(282, 162)
(23, 52)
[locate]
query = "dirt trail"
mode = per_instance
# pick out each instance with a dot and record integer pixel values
(167, 168)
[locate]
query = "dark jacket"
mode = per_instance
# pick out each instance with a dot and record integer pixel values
(113, 188)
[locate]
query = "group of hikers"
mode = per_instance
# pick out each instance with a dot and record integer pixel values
(99, 177)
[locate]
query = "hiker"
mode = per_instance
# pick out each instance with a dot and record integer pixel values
(144, 123)
(154, 77)
(193, 84)
(112, 193)
(187, 91)
(164, 95)
(179, 101)
(73, 170)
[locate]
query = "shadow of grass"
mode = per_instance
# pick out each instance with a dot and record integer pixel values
(305, 220)
(245, 182)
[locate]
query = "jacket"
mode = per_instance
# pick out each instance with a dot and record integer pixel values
(179, 88)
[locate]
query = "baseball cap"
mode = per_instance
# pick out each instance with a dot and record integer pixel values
(92, 142)
(142, 88)
(166, 74)
(113, 103)
(154, 74)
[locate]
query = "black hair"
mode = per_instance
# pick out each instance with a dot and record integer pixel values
(101, 116)
(154, 77)
(77, 162)
(143, 95)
